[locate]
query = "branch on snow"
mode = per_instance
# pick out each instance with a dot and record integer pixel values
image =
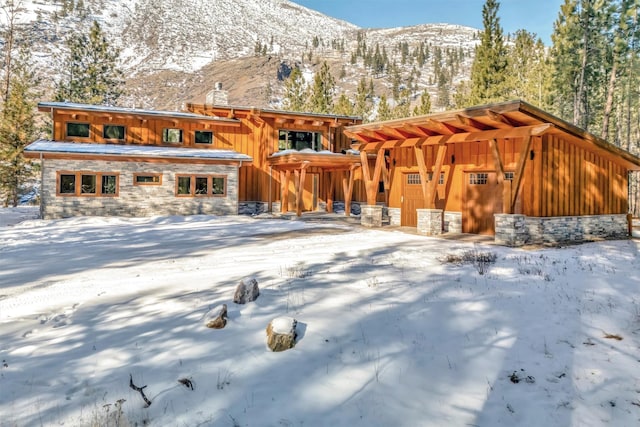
(140, 389)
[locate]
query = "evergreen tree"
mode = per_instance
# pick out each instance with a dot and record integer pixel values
(529, 70)
(488, 72)
(295, 91)
(90, 72)
(384, 110)
(425, 104)
(17, 129)
(362, 107)
(343, 107)
(321, 94)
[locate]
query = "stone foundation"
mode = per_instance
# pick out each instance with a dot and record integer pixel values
(395, 216)
(429, 221)
(371, 215)
(517, 230)
(453, 222)
(511, 230)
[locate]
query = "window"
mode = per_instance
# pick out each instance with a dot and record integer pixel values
(90, 184)
(172, 136)
(147, 179)
(440, 179)
(508, 176)
(201, 185)
(413, 178)
(67, 184)
(478, 178)
(80, 130)
(203, 137)
(297, 140)
(113, 132)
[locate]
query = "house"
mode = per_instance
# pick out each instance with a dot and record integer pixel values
(118, 161)
(510, 170)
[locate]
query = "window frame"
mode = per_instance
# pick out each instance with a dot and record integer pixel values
(150, 183)
(78, 178)
(66, 130)
(203, 131)
(104, 132)
(478, 178)
(165, 135)
(192, 185)
(293, 143)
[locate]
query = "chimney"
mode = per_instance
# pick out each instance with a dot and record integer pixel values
(217, 96)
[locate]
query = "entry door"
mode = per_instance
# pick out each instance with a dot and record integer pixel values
(483, 198)
(412, 199)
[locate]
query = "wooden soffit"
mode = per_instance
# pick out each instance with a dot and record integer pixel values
(326, 161)
(513, 119)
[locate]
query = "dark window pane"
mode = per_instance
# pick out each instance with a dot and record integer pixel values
(172, 136)
(113, 132)
(78, 129)
(203, 137)
(108, 184)
(218, 185)
(202, 185)
(147, 179)
(67, 184)
(88, 184)
(184, 185)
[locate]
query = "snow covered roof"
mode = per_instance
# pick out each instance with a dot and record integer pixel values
(132, 111)
(45, 146)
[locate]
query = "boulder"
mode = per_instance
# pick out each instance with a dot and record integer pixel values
(246, 292)
(216, 318)
(281, 333)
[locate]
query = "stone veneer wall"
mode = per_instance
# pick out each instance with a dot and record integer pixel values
(516, 230)
(395, 217)
(140, 200)
(453, 222)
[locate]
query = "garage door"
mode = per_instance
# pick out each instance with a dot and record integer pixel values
(483, 198)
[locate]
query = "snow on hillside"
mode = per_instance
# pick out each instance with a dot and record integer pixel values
(388, 333)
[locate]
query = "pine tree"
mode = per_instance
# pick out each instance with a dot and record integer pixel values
(488, 72)
(384, 110)
(321, 94)
(529, 70)
(343, 107)
(362, 107)
(17, 129)
(425, 104)
(90, 72)
(295, 91)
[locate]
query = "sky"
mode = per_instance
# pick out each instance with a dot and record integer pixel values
(534, 16)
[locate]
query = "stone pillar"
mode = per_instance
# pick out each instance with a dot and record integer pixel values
(429, 221)
(511, 230)
(371, 215)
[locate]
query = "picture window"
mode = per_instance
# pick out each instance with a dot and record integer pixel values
(79, 130)
(113, 132)
(172, 136)
(87, 184)
(203, 137)
(201, 185)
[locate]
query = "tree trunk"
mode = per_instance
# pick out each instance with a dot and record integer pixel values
(609, 104)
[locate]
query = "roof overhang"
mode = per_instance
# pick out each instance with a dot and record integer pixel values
(280, 117)
(514, 119)
(68, 150)
(292, 159)
(75, 110)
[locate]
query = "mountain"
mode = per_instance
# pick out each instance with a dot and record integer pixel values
(175, 51)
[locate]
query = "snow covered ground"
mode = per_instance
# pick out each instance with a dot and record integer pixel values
(390, 334)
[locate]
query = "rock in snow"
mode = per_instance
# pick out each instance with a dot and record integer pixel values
(246, 292)
(281, 333)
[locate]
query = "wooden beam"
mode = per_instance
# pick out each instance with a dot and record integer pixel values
(331, 191)
(417, 130)
(506, 185)
(284, 190)
(347, 187)
(485, 135)
(499, 117)
(422, 170)
(437, 168)
(517, 176)
(371, 181)
(468, 121)
(300, 176)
